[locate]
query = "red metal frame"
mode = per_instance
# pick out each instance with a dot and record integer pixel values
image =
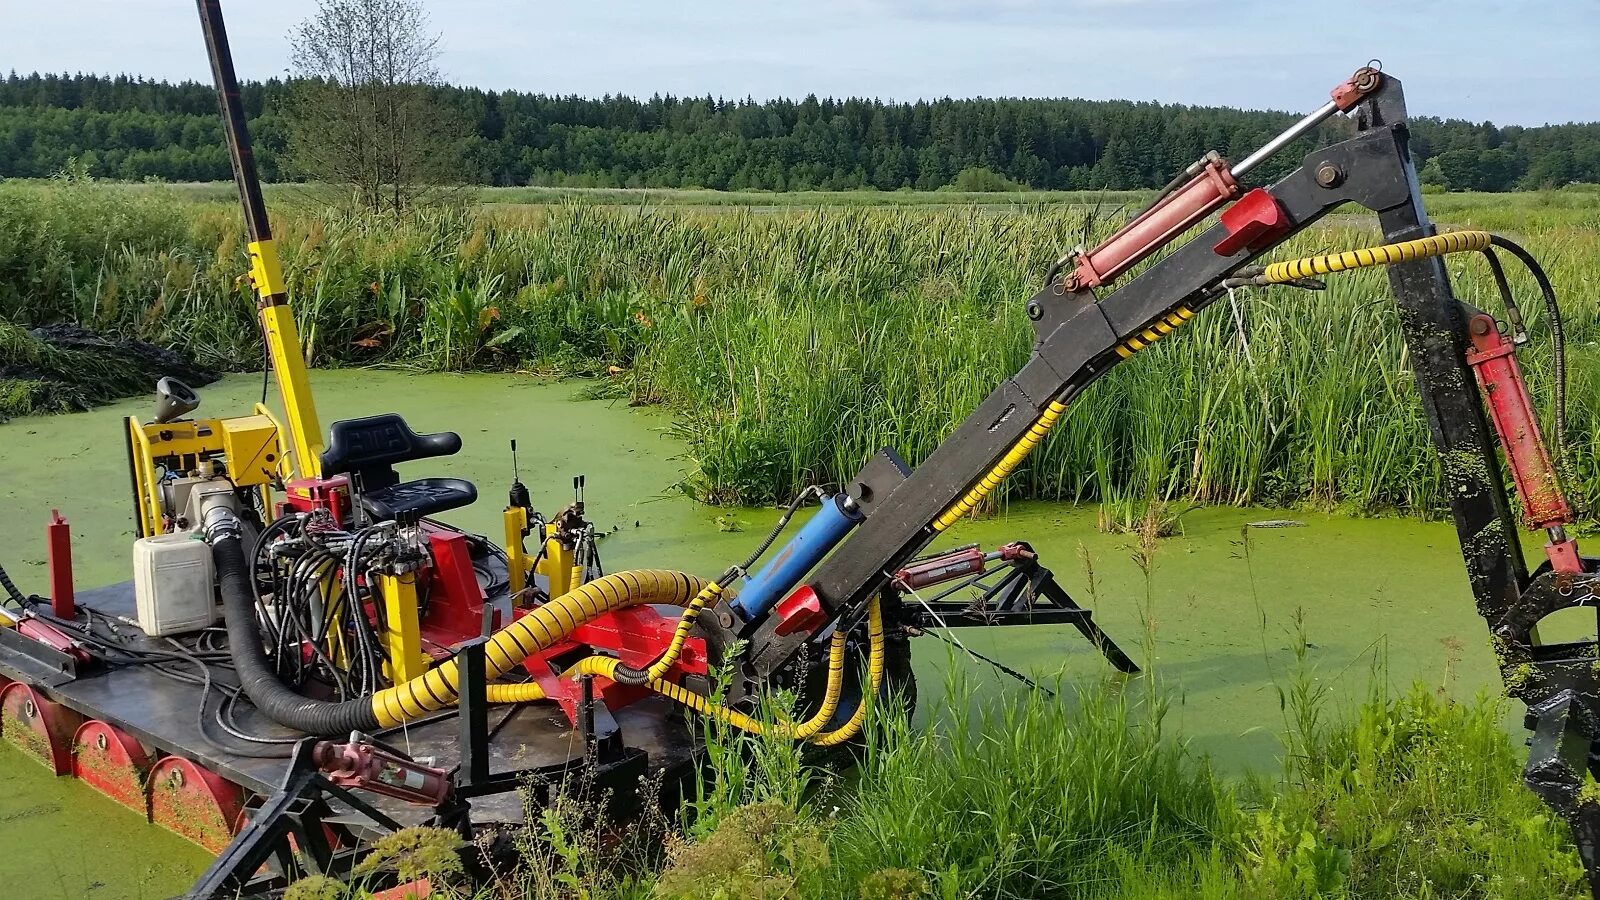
(455, 599)
(39, 727)
(637, 635)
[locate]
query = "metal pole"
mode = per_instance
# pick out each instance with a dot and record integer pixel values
(1289, 136)
(266, 273)
(473, 705)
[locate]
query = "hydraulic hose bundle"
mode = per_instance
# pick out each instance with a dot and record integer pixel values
(437, 688)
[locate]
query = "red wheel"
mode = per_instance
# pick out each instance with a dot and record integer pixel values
(112, 762)
(39, 727)
(195, 802)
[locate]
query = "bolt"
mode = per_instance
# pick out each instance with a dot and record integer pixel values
(1035, 311)
(725, 618)
(100, 740)
(176, 778)
(1329, 175)
(1480, 326)
(28, 709)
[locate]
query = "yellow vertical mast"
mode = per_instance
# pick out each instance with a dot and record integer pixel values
(272, 299)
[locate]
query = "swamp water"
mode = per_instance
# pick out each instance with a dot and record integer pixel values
(1216, 621)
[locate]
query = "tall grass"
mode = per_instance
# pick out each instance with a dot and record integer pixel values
(792, 345)
(1032, 797)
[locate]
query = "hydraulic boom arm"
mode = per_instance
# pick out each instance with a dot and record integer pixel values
(1080, 336)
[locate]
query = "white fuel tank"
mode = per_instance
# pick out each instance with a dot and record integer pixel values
(173, 583)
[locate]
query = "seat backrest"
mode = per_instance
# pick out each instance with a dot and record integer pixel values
(369, 448)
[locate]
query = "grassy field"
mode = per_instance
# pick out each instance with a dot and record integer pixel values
(291, 195)
(793, 344)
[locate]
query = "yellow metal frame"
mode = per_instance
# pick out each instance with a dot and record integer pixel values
(557, 567)
(402, 635)
(288, 360)
(516, 524)
(247, 444)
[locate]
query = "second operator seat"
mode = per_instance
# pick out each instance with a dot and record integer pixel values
(368, 448)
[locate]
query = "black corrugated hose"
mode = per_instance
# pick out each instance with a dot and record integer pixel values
(256, 675)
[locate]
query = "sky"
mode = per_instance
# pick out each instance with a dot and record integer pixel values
(1511, 61)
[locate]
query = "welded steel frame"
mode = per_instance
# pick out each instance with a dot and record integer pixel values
(1027, 593)
(287, 836)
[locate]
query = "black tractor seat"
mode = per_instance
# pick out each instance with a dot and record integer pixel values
(368, 448)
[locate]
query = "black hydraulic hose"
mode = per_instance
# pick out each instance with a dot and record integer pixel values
(1507, 298)
(1558, 340)
(256, 676)
(15, 595)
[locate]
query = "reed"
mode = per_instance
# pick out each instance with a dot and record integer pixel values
(793, 344)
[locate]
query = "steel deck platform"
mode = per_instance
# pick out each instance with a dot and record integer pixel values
(179, 719)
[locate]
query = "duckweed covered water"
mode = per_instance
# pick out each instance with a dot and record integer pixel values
(1216, 621)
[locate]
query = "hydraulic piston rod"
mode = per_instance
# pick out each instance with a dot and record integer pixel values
(1211, 184)
(1293, 133)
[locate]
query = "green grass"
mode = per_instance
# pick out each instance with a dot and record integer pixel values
(1411, 796)
(793, 344)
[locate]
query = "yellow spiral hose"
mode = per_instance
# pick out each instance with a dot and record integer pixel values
(508, 647)
(606, 666)
(662, 666)
(1386, 255)
(1013, 458)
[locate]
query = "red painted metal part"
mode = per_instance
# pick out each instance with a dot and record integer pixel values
(362, 765)
(306, 494)
(637, 635)
(112, 762)
(1564, 557)
(1492, 358)
(1351, 91)
(195, 802)
(420, 889)
(58, 545)
(455, 599)
(1174, 214)
(801, 611)
(40, 728)
(1252, 223)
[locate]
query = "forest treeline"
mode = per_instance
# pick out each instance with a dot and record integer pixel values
(129, 128)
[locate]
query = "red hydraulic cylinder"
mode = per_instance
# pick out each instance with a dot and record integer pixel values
(359, 764)
(1211, 187)
(941, 568)
(1493, 359)
(58, 546)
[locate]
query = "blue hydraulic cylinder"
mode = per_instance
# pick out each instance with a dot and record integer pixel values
(767, 585)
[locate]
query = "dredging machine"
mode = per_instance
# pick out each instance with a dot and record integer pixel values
(299, 611)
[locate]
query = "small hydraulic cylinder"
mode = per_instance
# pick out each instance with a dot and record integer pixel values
(763, 588)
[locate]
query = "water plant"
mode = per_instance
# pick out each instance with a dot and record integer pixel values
(793, 344)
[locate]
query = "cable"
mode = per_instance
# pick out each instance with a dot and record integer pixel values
(16, 596)
(1558, 340)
